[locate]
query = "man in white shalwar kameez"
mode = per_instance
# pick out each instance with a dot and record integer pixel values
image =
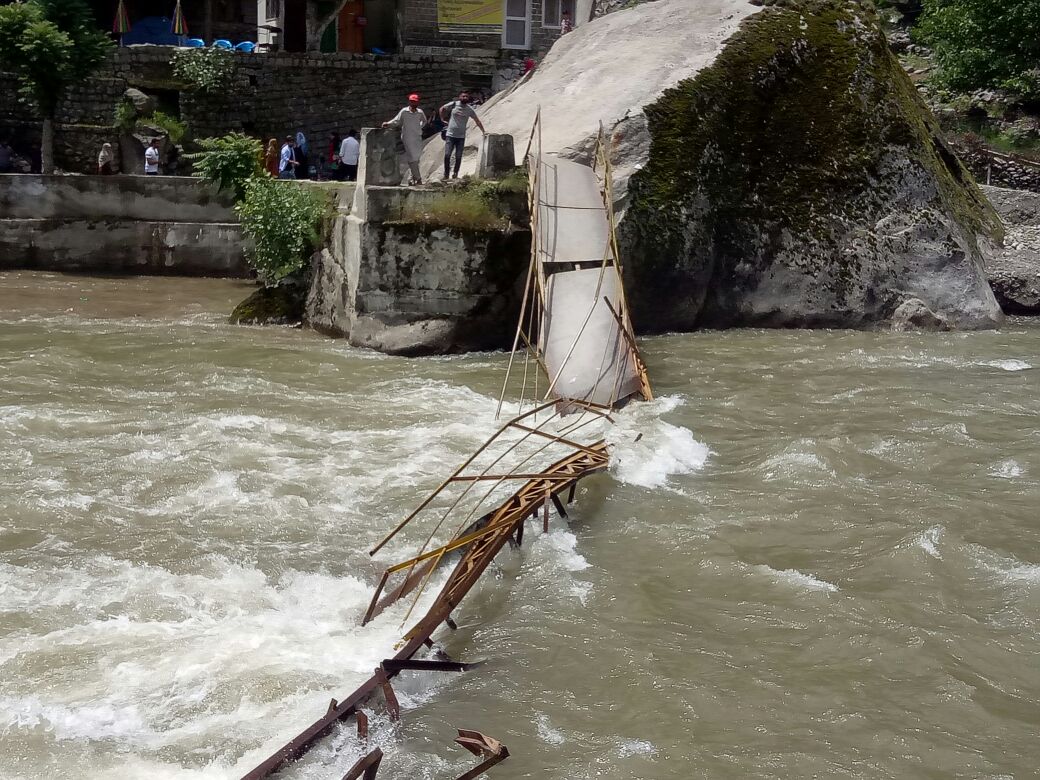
(411, 120)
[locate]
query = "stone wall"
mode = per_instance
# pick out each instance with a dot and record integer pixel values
(118, 224)
(272, 95)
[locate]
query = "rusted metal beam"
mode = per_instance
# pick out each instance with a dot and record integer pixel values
(476, 557)
(501, 477)
(393, 707)
(367, 766)
(558, 504)
(490, 749)
(553, 437)
(395, 666)
(362, 726)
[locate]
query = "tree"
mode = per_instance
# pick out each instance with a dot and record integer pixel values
(990, 44)
(49, 45)
(320, 14)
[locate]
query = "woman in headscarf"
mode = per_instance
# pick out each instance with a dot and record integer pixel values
(302, 153)
(105, 159)
(271, 158)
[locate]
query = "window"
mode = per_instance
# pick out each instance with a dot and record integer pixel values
(516, 31)
(552, 11)
(273, 9)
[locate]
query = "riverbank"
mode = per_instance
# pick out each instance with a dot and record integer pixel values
(773, 576)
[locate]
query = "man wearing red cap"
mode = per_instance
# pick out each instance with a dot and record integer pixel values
(411, 120)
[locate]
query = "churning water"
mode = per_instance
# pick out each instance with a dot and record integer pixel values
(822, 558)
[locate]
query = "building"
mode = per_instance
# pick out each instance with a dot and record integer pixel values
(498, 25)
(482, 28)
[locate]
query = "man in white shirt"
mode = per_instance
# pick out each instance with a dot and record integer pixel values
(349, 154)
(151, 158)
(411, 120)
(457, 114)
(287, 160)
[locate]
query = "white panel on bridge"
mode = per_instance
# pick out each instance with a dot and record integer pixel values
(582, 341)
(572, 220)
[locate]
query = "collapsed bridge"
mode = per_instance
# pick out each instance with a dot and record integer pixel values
(575, 336)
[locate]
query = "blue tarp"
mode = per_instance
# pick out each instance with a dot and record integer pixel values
(151, 29)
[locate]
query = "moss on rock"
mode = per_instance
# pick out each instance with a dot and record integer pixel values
(282, 305)
(780, 159)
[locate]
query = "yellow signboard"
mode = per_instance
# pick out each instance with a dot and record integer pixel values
(470, 15)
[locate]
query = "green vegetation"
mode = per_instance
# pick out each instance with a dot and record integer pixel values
(49, 45)
(229, 161)
(208, 70)
(126, 119)
(125, 116)
(174, 128)
(282, 219)
(985, 44)
(467, 210)
(473, 204)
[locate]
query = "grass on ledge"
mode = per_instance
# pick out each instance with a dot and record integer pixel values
(465, 210)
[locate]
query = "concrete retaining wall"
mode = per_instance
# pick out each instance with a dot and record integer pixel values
(412, 288)
(153, 198)
(119, 224)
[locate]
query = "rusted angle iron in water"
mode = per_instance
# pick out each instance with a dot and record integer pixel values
(500, 525)
(482, 746)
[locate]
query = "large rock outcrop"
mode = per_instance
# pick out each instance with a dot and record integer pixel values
(1014, 274)
(774, 166)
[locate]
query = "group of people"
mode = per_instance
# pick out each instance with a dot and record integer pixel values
(289, 161)
(452, 120)
(106, 160)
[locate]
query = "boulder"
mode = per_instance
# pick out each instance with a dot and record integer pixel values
(773, 166)
(282, 305)
(143, 104)
(132, 146)
(1014, 273)
(913, 314)
(401, 337)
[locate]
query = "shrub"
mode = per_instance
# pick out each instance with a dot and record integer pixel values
(174, 127)
(282, 219)
(229, 161)
(984, 44)
(206, 70)
(125, 115)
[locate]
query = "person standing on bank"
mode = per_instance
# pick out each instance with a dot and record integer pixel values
(271, 158)
(349, 154)
(457, 114)
(287, 160)
(411, 119)
(151, 158)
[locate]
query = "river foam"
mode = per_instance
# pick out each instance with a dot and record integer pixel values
(649, 452)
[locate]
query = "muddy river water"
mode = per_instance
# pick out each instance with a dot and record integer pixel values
(822, 558)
